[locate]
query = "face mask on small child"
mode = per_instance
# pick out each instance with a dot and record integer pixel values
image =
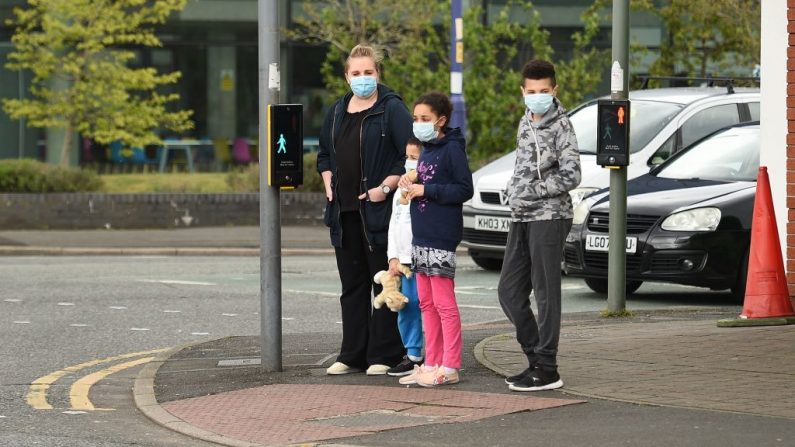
(411, 164)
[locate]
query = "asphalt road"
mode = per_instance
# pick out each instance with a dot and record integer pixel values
(74, 328)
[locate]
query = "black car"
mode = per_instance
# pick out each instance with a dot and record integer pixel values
(688, 220)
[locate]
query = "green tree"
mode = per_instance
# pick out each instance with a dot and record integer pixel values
(492, 75)
(721, 37)
(417, 42)
(413, 36)
(76, 50)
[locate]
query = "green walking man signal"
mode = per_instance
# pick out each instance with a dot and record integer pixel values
(285, 145)
(612, 147)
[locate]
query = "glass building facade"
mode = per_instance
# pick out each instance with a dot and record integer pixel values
(213, 43)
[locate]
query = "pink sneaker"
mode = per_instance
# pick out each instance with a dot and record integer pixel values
(439, 378)
(419, 371)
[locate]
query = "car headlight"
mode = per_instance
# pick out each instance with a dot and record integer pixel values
(581, 212)
(577, 194)
(699, 219)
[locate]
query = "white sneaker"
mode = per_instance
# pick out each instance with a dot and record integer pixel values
(377, 370)
(340, 368)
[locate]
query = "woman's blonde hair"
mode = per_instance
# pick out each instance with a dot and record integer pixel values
(363, 50)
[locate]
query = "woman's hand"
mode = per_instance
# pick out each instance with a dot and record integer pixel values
(393, 267)
(329, 193)
(375, 195)
(415, 190)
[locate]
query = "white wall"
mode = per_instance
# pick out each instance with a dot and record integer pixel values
(773, 115)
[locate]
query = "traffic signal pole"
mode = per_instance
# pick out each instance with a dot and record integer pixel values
(619, 86)
(269, 213)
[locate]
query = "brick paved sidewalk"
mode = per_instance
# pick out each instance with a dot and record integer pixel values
(691, 364)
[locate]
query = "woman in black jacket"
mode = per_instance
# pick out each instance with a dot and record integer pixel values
(362, 155)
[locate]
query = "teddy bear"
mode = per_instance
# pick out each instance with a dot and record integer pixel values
(412, 176)
(390, 294)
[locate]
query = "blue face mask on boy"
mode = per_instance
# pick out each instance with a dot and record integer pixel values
(363, 86)
(538, 103)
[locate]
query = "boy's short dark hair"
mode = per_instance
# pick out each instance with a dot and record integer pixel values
(413, 141)
(439, 103)
(539, 69)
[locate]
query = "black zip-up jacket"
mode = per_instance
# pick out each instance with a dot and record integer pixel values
(384, 132)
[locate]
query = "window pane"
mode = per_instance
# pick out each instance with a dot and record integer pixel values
(707, 121)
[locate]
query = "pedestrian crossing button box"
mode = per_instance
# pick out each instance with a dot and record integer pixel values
(285, 145)
(612, 147)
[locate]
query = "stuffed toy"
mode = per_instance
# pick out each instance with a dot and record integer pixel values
(390, 294)
(412, 176)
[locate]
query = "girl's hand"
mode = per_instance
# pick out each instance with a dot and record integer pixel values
(415, 191)
(376, 195)
(393, 267)
(404, 182)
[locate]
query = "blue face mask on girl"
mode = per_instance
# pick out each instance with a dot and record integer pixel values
(538, 103)
(363, 86)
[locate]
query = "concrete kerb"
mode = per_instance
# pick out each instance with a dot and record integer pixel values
(6, 250)
(146, 402)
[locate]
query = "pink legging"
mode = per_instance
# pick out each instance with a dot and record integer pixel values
(441, 321)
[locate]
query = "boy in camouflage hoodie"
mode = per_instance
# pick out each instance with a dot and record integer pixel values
(547, 168)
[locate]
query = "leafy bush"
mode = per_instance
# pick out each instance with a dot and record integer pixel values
(247, 179)
(31, 176)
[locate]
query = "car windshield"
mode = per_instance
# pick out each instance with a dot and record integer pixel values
(647, 118)
(730, 155)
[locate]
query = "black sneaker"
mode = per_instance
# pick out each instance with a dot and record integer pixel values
(513, 379)
(403, 368)
(540, 380)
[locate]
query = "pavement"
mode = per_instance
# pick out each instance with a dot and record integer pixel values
(655, 378)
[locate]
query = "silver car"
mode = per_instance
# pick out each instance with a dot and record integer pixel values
(663, 122)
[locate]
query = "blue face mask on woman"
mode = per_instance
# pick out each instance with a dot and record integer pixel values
(363, 86)
(538, 103)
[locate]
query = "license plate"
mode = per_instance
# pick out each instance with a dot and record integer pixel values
(492, 223)
(597, 242)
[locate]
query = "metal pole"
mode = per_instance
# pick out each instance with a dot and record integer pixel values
(269, 213)
(21, 142)
(459, 118)
(617, 260)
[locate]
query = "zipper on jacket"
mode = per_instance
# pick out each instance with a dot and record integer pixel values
(364, 180)
(334, 173)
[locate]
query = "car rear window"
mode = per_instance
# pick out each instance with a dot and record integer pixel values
(647, 118)
(731, 155)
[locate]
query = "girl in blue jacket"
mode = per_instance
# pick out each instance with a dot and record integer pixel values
(444, 184)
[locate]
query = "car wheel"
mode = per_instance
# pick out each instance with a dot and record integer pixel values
(738, 289)
(599, 285)
(493, 264)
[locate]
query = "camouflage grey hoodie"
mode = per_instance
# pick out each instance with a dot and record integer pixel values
(546, 198)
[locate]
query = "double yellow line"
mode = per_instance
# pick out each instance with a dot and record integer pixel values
(78, 394)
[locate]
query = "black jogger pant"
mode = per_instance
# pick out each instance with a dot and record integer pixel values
(369, 336)
(533, 254)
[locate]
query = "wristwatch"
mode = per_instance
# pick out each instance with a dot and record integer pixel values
(386, 189)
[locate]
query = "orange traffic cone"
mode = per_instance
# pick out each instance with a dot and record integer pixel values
(766, 293)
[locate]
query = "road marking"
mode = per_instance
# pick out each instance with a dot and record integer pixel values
(78, 325)
(73, 412)
(139, 328)
(37, 396)
(12, 300)
(78, 394)
(199, 333)
(475, 306)
(178, 282)
(167, 311)
(22, 322)
(288, 318)
(228, 315)
(312, 292)
(118, 307)
(66, 304)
